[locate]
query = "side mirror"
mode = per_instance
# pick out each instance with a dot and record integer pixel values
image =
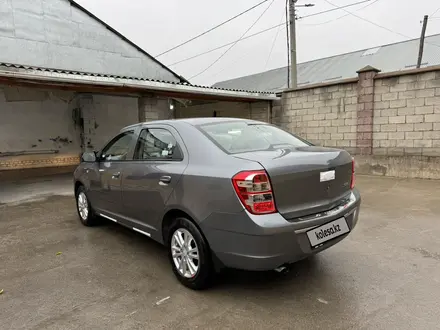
(88, 157)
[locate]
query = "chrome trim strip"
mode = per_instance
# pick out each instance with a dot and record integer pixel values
(331, 213)
(107, 217)
(142, 232)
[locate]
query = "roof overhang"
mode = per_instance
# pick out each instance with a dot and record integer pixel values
(86, 82)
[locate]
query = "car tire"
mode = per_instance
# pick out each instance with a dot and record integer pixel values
(86, 214)
(194, 252)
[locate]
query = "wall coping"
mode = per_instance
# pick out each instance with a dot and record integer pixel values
(323, 84)
(406, 72)
(356, 79)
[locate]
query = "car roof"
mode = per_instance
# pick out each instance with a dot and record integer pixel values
(193, 121)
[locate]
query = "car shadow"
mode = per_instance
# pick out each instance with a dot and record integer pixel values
(300, 271)
(302, 274)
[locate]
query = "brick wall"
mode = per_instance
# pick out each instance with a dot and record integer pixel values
(389, 121)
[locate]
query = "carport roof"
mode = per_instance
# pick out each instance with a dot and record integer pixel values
(91, 82)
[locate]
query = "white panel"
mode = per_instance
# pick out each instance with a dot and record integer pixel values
(29, 25)
(57, 9)
(70, 40)
(23, 51)
(61, 31)
(6, 19)
(30, 6)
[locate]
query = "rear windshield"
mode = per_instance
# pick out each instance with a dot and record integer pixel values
(237, 137)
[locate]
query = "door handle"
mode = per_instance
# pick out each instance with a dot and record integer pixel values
(164, 180)
(116, 175)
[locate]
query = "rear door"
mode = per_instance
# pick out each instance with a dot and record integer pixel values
(149, 179)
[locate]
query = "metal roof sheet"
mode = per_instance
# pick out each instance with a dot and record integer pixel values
(387, 58)
(27, 72)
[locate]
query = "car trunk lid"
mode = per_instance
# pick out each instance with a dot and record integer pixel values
(305, 180)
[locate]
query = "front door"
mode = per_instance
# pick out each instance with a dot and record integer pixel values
(112, 160)
(158, 163)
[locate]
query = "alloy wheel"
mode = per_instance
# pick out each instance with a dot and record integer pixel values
(185, 253)
(83, 206)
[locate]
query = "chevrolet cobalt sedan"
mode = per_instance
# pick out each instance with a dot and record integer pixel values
(220, 192)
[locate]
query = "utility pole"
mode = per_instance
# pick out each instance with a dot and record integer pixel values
(292, 28)
(292, 34)
(422, 41)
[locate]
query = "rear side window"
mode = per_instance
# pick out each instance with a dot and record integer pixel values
(236, 137)
(157, 144)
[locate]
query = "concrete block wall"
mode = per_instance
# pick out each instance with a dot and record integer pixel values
(389, 121)
(153, 108)
(325, 115)
(407, 115)
(247, 110)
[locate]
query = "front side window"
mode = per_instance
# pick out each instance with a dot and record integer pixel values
(157, 144)
(118, 148)
(239, 136)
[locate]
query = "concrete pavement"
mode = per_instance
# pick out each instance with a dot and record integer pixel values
(385, 275)
(33, 189)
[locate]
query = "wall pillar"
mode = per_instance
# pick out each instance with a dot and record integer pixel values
(85, 103)
(365, 110)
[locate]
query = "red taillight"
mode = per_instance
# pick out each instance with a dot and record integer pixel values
(353, 178)
(255, 192)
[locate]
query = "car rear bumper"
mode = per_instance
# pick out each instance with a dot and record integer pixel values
(266, 242)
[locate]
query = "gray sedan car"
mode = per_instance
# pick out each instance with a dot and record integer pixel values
(220, 192)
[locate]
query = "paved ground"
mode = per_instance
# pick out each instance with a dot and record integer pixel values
(386, 275)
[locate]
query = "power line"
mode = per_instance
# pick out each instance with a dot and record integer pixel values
(338, 18)
(366, 20)
(274, 40)
(435, 12)
(225, 45)
(255, 34)
(227, 50)
(211, 29)
(333, 9)
(378, 25)
(232, 63)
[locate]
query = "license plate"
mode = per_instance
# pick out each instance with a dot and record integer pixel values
(328, 231)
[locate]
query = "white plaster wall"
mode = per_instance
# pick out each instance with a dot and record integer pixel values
(36, 119)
